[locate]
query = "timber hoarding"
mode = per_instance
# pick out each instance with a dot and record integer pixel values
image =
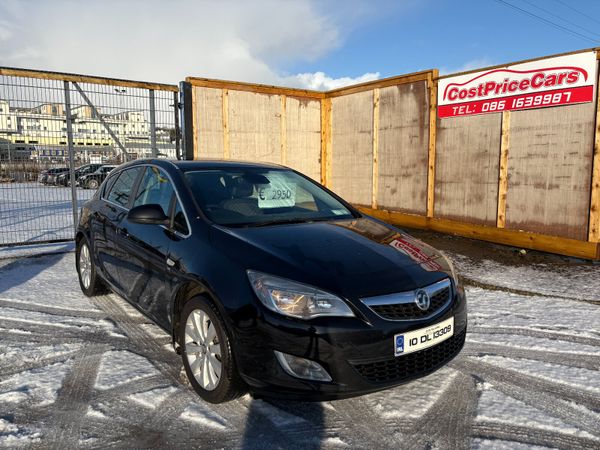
(507, 154)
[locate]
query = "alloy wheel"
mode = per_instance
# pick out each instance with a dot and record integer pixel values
(85, 266)
(203, 349)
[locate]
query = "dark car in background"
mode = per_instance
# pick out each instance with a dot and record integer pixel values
(269, 282)
(64, 179)
(94, 179)
(48, 176)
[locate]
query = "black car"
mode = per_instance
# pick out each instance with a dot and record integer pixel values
(48, 176)
(94, 179)
(63, 179)
(269, 282)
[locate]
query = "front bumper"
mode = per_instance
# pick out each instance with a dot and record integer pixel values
(358, 353)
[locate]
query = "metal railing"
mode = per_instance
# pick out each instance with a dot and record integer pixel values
(51, 121)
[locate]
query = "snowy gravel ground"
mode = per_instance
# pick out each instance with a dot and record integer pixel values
(94, 373)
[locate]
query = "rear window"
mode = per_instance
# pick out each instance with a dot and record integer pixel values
(120, 191)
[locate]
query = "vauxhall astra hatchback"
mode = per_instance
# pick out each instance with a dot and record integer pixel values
(268, 282)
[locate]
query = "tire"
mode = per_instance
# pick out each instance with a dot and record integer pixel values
(202, 346)
(92, 184)
(89, 281)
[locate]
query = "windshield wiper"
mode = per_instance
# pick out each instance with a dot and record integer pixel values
(276, 222)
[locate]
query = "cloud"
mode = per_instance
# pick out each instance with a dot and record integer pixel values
(166, 41)
(321, 82)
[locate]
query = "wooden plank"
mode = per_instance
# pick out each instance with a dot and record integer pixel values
(375, 147)
(254, 127)
(352, 147)
(550, 168)
(303, 136)
(466, 168)
(594, 219)
(283, 130)
(253, 87)
(522, 239)
(503, 173)
(326, 113)
(385, 82)
(60, 76)
(432, 86)
(207, 110)
(225, 102)
(403, 147)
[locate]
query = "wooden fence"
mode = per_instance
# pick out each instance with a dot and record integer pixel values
(524, 178)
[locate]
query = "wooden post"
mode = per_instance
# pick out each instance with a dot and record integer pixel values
(326, 142)
(375, 147)
(503, 175)
(283, 129)
(195, 119)
(594, 220)
(432, 84)
(225, 97)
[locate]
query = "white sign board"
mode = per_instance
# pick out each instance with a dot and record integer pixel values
(561, 80)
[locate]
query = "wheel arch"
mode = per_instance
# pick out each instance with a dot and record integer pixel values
(187, 291)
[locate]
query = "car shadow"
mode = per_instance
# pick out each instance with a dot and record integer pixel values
(23, 269)
(284, 424)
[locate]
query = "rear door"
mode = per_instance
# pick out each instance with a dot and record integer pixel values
(106, 225)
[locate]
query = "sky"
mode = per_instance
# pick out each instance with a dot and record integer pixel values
(300, 43)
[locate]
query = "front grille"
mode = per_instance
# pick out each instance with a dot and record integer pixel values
(407, 311)
(414, 364)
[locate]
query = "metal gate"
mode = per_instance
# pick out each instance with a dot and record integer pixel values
(60, 134)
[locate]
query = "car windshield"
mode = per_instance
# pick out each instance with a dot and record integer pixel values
(258, 197)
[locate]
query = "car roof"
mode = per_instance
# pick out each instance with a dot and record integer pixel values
(213, 164)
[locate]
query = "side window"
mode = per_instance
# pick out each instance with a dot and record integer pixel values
(155, 188)
(120, 190)
(179, 221)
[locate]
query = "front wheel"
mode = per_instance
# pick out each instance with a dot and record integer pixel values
(86, 269)
(93, 184)
(207, 354)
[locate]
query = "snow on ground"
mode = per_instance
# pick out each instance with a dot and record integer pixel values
(571, 279)
(93, 373)
(31, 212)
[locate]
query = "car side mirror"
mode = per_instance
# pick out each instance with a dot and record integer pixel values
(151, 214)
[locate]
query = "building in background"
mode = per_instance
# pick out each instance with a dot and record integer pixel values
(40, 133)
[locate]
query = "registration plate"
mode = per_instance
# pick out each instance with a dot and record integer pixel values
(423, 338)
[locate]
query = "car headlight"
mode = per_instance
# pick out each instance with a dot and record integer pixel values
(296, 299)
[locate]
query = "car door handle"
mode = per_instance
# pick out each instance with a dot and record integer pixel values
(123, 232)
(170, 262)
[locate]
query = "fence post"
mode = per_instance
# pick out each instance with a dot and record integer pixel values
(176, 106)
(152, 124)
(71, 154)
(187, 120)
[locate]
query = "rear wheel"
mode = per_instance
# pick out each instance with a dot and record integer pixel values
(89, 281)
(206, 353)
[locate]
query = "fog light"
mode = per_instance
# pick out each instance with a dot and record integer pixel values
(302, 368)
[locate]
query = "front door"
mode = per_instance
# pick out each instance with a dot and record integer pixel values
(144, 272)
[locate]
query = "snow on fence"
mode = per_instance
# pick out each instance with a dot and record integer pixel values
(53, 123)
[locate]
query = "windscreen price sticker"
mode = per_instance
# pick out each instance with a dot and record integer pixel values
(423, 338)
(277, 194)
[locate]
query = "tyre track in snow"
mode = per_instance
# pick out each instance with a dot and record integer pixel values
(70, 407)
(167, 362)
(553, 398)
(532, 436)
(590, 362)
